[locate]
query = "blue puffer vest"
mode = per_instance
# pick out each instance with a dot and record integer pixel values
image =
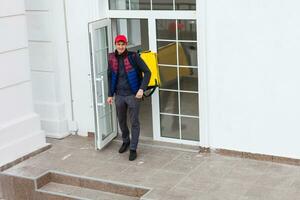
(132, 73)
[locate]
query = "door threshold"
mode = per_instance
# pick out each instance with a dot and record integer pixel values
(148, 141)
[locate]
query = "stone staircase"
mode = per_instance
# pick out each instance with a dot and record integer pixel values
(63, 186)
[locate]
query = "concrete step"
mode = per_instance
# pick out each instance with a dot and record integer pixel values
(81, 193)
(68, 186)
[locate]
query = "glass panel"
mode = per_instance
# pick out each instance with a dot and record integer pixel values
(168, 102)
(123, 27)
(187, 52)
(185, 4)
(136, 31)
(190, 128)
(105, 81)
(167, 53)
(169, 126)
(157, 4)
(144, 34)
(188, 79)
(187, 30)
(166, 29)
(168, 77)
(140, 5)
(105, 125)
(100, 61)
(189, 104)
(101, 38)
(118, 4)
(146, 118)
(104, 110)
(99, 91)
(162, 4)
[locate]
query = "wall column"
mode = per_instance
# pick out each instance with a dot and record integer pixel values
(20, 131)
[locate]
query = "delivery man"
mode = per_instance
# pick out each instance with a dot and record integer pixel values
(126, 86)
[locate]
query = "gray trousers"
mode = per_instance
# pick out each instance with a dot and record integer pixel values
(130, 103)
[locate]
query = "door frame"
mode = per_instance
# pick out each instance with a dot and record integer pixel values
(200, 16)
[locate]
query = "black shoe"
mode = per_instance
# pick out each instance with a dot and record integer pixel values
(124, 147)
(132, 155)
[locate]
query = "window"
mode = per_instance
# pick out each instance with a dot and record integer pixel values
(177, 59)
(156, 4)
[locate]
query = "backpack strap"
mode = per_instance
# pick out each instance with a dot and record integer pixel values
(131, 59)
(153, 88)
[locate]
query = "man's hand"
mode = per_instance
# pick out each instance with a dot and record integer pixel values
(110, 100)
(139, 94)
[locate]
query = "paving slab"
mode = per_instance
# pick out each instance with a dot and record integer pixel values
(172, 172)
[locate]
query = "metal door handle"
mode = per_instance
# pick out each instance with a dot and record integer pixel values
(103, 95)
(101, 80)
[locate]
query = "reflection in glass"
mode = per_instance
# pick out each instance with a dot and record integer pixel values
(187, 52)
(168, 102)
(185, 4)
(188, 79)
(162, 4)
(118, 4)
(166, 29)
(190, 128)
(166, 53)
(168, 77)
(140, 5)
(187, 30)
(169, 126)
(189, 104)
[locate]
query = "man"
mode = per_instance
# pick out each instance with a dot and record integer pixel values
(127, 85)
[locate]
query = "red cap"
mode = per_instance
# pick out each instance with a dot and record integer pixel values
(120, 38)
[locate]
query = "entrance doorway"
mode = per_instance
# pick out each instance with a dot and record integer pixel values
(101, 33)
(172, 114)
(136, 31)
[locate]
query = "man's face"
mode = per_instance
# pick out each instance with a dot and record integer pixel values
(121, 46)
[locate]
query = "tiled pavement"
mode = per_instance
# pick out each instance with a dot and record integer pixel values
(172, 173)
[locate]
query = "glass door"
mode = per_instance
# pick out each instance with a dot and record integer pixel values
(176, 31)
(105, 115)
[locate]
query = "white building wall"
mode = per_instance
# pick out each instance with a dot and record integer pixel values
(20, 131)
(253, 75)
(49, 37)
(49, 65)
(251, 49)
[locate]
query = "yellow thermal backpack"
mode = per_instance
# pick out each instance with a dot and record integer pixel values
(150, 59)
